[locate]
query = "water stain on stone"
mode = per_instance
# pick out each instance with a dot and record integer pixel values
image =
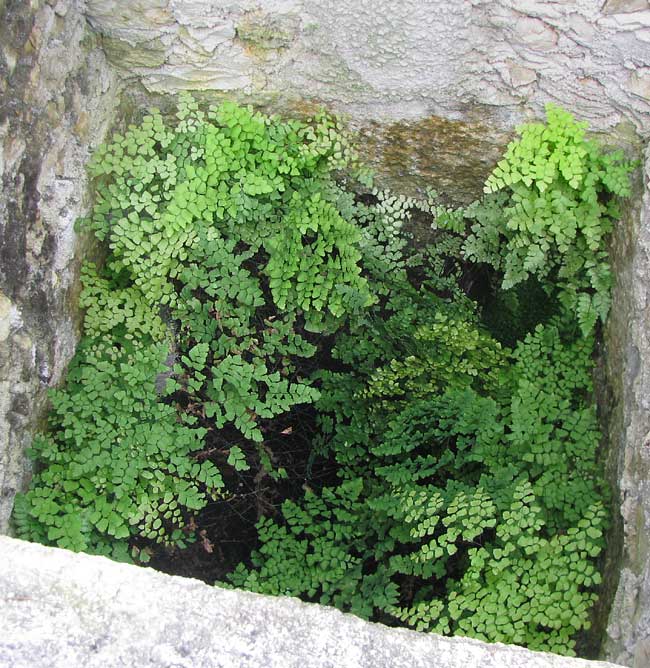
(124, 55)
(453, 157)
(261, 33)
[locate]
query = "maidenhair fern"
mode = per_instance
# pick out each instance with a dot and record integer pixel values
(478, 506)
(558, 209)
(314, 261)
(446, 467)
(221, 248)
(252, 270)
(118, 462)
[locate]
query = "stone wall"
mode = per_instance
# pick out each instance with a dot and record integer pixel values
(435, 86)
(69, 610)
(56, 100)
(628, 359)
(381, 59)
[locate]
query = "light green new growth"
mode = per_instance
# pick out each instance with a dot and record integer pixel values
(314, 261)
(558, 209)
(195, 215)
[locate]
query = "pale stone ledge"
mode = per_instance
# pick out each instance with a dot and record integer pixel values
(68, 610)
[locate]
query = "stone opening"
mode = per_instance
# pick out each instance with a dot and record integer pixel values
(495, 64)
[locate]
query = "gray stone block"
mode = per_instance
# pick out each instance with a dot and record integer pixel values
(65, 610)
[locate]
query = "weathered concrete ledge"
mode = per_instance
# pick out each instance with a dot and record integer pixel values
(73, 610)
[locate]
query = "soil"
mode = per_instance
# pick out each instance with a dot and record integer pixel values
(226, 529)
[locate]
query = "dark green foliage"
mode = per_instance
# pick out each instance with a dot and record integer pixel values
(117, 461)
(221, 307)
(219, 227)
(474, 494)
(471, 500)
(467, 497)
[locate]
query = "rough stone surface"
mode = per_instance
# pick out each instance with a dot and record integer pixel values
(397, 60)
(421, 65)
(56, 100)
(628, 361)
(67, 610)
